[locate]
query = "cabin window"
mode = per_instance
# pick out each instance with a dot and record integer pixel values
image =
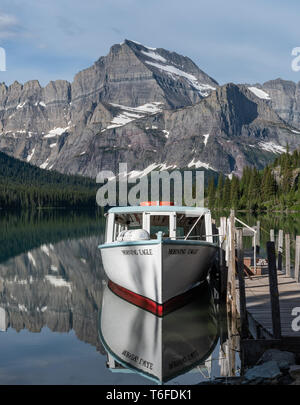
(174, 225)
(127, 222)
(159, 223)
(192, 226)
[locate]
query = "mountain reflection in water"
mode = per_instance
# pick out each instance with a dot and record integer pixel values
(51, 295)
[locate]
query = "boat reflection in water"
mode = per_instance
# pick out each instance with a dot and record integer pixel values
(160, 348)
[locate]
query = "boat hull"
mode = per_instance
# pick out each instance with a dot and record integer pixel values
(159, 347)
(158, 271)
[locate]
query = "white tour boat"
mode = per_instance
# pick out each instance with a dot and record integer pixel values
(157, 252)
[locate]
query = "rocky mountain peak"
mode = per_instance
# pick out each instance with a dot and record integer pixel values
(151, 108)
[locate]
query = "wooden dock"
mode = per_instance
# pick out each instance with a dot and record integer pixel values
(263, 310)
(259, 306)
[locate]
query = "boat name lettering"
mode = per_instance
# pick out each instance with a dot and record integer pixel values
(137, 359)
(183, 251)
(186, 359)
(137, 252)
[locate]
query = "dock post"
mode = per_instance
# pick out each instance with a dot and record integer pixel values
(273, 282)
(254, 252)
(287, 255)
(223, 230)
(297, 259)
(240, 267)
(280, 247)
(232, 272)
(222, 249)
(272, 235)
(223, 275)
(258, 236)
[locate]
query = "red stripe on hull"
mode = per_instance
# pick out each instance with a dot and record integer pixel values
(150, 305)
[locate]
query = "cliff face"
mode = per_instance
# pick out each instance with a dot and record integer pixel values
(147, 106)
(228, 130)
(225, 131)
(285, 99)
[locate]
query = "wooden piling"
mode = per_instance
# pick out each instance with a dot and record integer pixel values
(280, 249)
(274, 295)
(222, 259)
(232, 272)
(223, 274)
(287, 255)
(272, 235)
(257, 236)
(297, 258)
(242, 294)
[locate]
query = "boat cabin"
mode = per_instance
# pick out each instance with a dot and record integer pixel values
(177, 223)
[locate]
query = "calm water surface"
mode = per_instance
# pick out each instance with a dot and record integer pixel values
(60, 324)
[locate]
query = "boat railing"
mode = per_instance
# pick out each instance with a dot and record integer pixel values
(196, 236)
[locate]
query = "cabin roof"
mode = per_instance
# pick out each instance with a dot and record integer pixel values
(161, 208)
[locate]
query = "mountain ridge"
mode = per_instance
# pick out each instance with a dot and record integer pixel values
(147, 107)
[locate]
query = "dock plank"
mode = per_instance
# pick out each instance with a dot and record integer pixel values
(259, 305)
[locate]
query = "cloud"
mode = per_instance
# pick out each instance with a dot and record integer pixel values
(7, 20)
(68, 27)
(231, 41)
(116, 30)
(9, 26)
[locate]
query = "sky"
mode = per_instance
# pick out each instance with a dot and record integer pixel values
(239, 41)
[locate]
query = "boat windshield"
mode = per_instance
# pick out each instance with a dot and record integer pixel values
(190, 228)
(159, 223)
(129, 221)
(187, 227)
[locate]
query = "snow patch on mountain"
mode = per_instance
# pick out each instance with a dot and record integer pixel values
(174, 71)
(22, 308)
(141, 173)
(45, 164)
(45, 249)
(21, 105)
(129, 114)
(138, 43)
(123, 119)
(206, 136)
(272, 147)
(154, 55)
(31, 259)
(154, 166)
(56, 132)
(30, 155)
(58, 282)
(259, 93)
(198, 164)
(151, 108)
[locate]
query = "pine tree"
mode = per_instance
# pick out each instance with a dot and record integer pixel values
(226, 200)
(219, 192)
(211, 193)
(268, 185)
(234, 192)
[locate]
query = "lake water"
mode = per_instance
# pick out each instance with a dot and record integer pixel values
(59, 321)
